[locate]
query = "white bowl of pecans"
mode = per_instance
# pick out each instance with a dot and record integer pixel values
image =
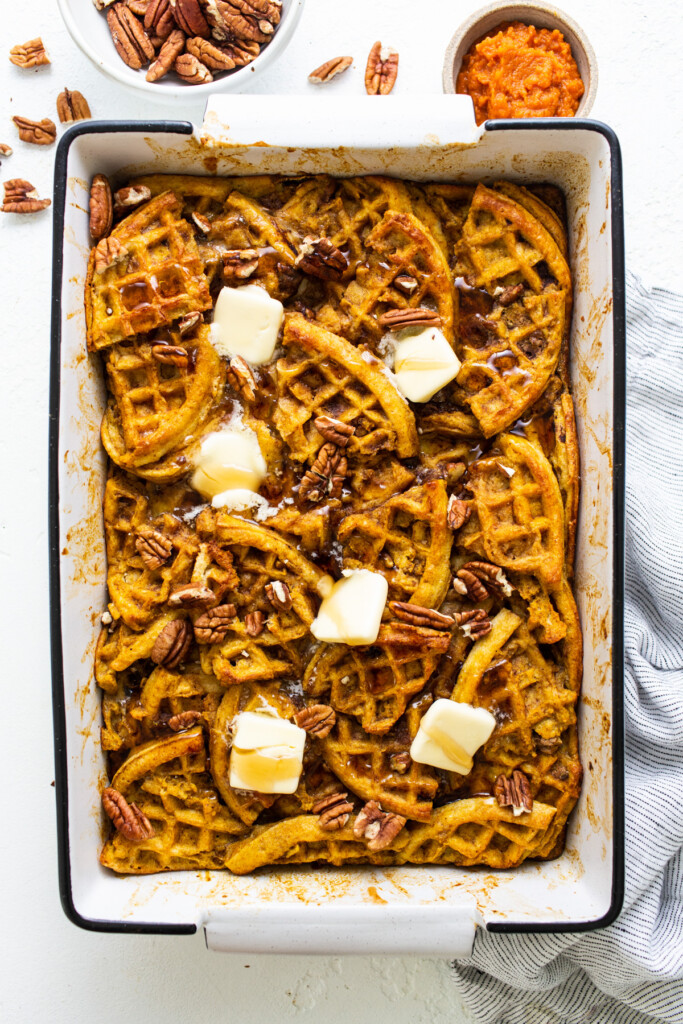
(164, 47)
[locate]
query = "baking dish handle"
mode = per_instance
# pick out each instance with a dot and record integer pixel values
(446, 931)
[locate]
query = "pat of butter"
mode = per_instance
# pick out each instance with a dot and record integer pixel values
(246, 323)
(450, 734)
(267, 753)
(424, 363)
(228, 460)
(351, 610)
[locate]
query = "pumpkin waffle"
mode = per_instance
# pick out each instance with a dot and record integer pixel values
(210, 610)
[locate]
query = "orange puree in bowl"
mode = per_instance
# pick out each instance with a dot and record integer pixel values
(521, 72)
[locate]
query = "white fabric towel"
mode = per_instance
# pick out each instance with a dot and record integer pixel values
(631, 972)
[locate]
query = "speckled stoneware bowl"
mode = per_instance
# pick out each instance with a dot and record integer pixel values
(482, 22)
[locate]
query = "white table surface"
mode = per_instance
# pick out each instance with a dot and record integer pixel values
(50, 970)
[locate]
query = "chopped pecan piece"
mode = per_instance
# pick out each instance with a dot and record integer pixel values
(509, 294)
(127, 818)
(29, 55)
(212, 626)
(39, 133)
(327, 71)
(559, 772)
(491, 576)
(547, 745)
(154, 549)
(381, 70)
(172, 48)
(254, 623)
(317, 719)
(184, 720)
(188, 322)
(202, 223)
(334, 431)
(533, 344)
(132, 43)
(514, 792)
(416, 615)
(398, 319)
(334, 811)
(279, 596)
(192, 70)
(320, 258)
(101, 207)
(190, 17)
(458, 512)
(172, 644)
(477, 331)
(405, 283)
(108, 251)
(239, 264)
(125, 199)
(326, 475)
(170, 355)
(215, 57)
(475, 623)
(400, 762)
(22, 197)
(72, 106)
(241, 378)
(191, 595)
(5, 150)
(379, 828)
(159, 19)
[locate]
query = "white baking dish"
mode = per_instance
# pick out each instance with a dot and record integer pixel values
(403, 909)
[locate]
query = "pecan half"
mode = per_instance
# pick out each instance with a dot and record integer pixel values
(192, 70)
(212, 54)
(191, 595)
(212, 626)
(138, 7)
(132, 43)
(317, 719)
(254, 20)
(279, 595)
(509, 294)
(190, 17)
(405, 283)
(254, 623)
(170, 355)
(241, 378)
(188, 322)
(239, 264)
(22, 197)
(29, 55)
(126, 199)
(475, 623)
(241, 50)
(398, 319)
(72, 106)
(407, 634)
(101, 207)
(39, 133)
(172, 644)
(172, 48)
(466, 583)
(108, 251)
(329, 70)
(320, 258)
(127, 818)
(377, 827)
(416, 615)
(458, 511)
(184, 720)
(381, 70)
(334, 811)
(326, 475)
(514, 792)
(154, 549)
(159, 19)
(334, 431)
(491, 576)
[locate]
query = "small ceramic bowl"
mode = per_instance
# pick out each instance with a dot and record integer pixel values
(89, 30)
(483, 21)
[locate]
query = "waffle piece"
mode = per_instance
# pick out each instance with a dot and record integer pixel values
(119, 647)
(451, 205)
(407, 539)
(517, 515)
(169, 782)
(323, 375)
(156, 275)
(365, 764)
(166, 693)
(538, 209)
(372, 481)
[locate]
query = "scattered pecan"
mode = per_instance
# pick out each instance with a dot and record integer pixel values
(72, 106)
(334, 431)
(191, 595)
(559, 772)
(241, 378)
(201, 222)
(400, 762)
(477, 331)
(172, 644)
(212, 626)
(317, 719)
(29, 55)
(125, 199)
(514, 792)
(329, 70)
(398, 319)
(159, 19)
(22, 197)
(376, 826)
(170, 355)
(239, 264)
(453, 472)
(215, 57)
(407, 634)
(474, 623)
(320, 258)
(381, 70)
(547, 745)
(416, 615)
(509, 294)
(108, 251)
(184, 720)
(405, 283)
(172, 48)
(190, 17)
(474, 588)
(5, 150)
(188, 322)
(458, 512)
(101, 207)
(491, 576)
(279, 595)
(254, 623)
(533, 344)
(334, 811)
(132, 43)
(128, 819)
(326, 475)
(154, 549)
(39, 133)
(192, 70)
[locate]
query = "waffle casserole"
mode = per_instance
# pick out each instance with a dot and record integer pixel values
(408, 436)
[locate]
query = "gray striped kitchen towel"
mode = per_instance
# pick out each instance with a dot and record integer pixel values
(631, 972)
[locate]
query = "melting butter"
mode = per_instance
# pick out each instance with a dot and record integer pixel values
(352, 608)
(450, 733)
(246, 322)
(267, 753)
(229, 460)
(424, 363)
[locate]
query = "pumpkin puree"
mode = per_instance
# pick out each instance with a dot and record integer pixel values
(521, 71)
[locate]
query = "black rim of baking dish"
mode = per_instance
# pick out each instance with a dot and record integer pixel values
(619, 412)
